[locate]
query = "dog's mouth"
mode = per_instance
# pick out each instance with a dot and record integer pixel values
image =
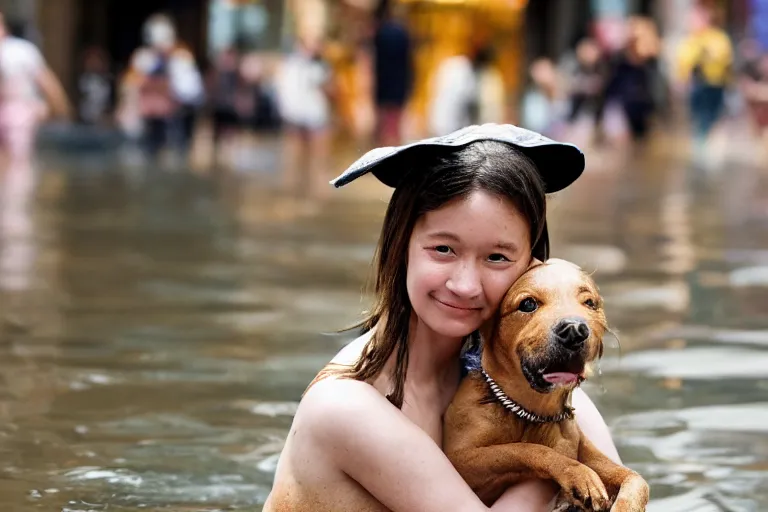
(564, 378)
(551, 375)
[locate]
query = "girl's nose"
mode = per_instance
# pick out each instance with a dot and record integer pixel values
(465, 281)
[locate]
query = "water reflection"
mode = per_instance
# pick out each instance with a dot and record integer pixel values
(18, 251)
(158, 332)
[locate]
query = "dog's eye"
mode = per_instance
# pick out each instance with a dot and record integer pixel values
(528, 305)
(590, 303)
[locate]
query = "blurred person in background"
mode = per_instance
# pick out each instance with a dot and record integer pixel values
(128, 115)
(704, 64)
(491, 95)
(588, 76)
(541, 104)
(169, 87)
(754, 87)
(304, 85)
(393, 73)
(747, 58)
(454, 95)
(255, 108)
(224, 85)
(466, 90)
(634, 77)
(256, 103)
(23, 74)
(95, 87)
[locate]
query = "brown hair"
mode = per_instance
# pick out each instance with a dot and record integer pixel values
(489, 166)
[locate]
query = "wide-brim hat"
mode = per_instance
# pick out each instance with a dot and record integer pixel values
(559, 164)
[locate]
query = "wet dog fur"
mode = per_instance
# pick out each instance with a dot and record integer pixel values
(549, 326)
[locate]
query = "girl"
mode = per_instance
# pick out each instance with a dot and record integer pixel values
(466, 219)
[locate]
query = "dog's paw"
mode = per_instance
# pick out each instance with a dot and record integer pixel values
(564, 506)
(581, 486)
(626, 506)
(633, 496)
(561, 505)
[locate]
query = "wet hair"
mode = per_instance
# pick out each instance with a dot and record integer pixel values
(487, 166)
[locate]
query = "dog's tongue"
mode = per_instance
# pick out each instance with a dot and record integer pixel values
(561, 378)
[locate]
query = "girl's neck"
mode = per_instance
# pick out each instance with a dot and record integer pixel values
(432, 357)
(434, 368)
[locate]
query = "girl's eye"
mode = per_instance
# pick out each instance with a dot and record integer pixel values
(443, 249)
(528, 305)
(590, 303)
(498, 258)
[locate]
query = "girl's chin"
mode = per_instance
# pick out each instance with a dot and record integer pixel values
(454, 328)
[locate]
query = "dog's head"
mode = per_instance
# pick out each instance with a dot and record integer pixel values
(550, 325)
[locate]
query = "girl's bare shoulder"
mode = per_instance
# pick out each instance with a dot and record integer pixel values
(333, 407)
(331, 395)
(349, 354)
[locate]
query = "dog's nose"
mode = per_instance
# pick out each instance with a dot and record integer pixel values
(572, 332)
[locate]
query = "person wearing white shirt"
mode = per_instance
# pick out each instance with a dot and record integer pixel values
(303, 83)
(24, 74)
(167, 85)
(454, 91)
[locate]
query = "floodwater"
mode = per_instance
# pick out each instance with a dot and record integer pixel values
(158, 328)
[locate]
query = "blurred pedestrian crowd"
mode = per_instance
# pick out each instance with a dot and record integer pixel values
(612, 86)
(619, 92)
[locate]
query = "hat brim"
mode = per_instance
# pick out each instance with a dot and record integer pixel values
(559, 164)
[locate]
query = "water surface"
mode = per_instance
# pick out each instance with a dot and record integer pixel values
(158, 329)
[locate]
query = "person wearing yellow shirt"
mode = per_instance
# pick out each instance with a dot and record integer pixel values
(704, 62)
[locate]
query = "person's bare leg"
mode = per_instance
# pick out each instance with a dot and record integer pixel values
(225, 149)
(16, 189)
(762, 154)
(291, 156)
(20, 140)
(319, 151)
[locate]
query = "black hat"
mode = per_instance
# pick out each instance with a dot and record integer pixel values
(558, 163)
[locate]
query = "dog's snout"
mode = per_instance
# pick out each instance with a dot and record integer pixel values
(572, 332)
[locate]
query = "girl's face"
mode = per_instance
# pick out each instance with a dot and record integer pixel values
(462, 258)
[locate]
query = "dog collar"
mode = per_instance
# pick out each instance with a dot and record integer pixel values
(520, 411)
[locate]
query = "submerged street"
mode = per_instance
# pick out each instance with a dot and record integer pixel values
(158, 327)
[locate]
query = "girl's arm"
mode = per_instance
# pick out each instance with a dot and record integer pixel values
(363, 435)
(53, 91)
(593, 425)
(400, 465)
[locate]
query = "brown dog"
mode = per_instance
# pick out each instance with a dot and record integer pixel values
(511, 419)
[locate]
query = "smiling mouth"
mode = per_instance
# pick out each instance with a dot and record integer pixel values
(459, 308)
